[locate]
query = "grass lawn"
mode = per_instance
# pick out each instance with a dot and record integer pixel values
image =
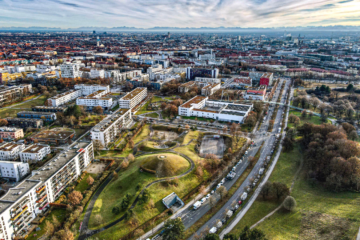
(153, 115)
(314, 119)
(143, 109)
(126, 183)
(145, 212)
(82, 185)
(333, 207)
(145, 131)
(35, 102)
(59, 214)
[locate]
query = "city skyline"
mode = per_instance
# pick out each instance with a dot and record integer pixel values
(179, 13)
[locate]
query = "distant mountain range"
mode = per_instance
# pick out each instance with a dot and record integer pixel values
(207, 29)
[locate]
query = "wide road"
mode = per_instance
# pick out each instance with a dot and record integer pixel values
(190, 217)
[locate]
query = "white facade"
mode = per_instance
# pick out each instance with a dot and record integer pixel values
(21, 204)
(63, 98)
(133, 98)
(199, 106)
(70, 71)
(10, 151)
(97, 73)
(107, 130)
(210, 89)
(96, 99)
(34, 153)
(14, 171)
(87, 89)
(207, 80)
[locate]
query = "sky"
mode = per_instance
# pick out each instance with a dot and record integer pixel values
(178, 13)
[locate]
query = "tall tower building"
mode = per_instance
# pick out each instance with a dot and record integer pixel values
(98, 41)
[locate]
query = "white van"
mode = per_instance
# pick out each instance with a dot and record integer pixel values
(243, 196)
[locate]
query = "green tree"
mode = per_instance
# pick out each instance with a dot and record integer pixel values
(350, 88)
(280, 190)
(255, 234)
(230, 236)
(116, 210)
(174, 229)
(289, 203)
(212, 236)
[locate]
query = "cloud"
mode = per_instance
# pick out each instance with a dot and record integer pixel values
(178, 13)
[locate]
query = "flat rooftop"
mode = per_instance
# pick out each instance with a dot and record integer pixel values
(34, 148)
(35, 113)
(39, 176)
(105, 123)
(9, 146)
(54, 134)
(64, 94)
(133, 93)
(187, 84)
(9, 129)
(194, 100)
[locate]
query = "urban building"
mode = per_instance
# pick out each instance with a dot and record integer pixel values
(70, 70)
(25, 122)
(210, 89)
(48, 109)
(87, 89)
(46, 116)
(185, 87)
(14, 171)
(34, 153)
(63, 98)
(133, 98)
(53, 136)
(96, 99)
(266, 79)
(207, 80)
(11, 133)
(258, 93)
(10, 151)
(192, 73)
(199, 106)
(21, 204)
(107, 130)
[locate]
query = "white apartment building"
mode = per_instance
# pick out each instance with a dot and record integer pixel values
(96, 99)
(63, 98)
(210, 89)
(21, 204)
(97, 73)
(70, 70)
(25, 68)
(14, 171)
(199, 106)
(34, 153)
(207, 80)
(87, 89)
(107, 130)
(10, 151)
(133, 98)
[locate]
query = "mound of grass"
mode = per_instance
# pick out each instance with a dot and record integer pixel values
(170, 165)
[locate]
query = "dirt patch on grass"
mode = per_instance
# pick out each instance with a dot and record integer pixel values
(315, 225)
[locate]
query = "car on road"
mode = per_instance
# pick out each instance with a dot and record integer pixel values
(203, 200)
(208, 196)
(219, 185)
(240, 202)
(223, 221)
(213, 230)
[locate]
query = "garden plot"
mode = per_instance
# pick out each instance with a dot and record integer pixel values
(212, 144)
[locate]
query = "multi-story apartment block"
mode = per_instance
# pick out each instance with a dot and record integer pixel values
(14, 171)
(63, 98)
(207, 80)
(97, 73)
(107, 130)
(46, 116)
(11, 133)
(21, 204)
(10, 151)
(96, 99)
(70, 71)
(25, 122)
(48, 109)
(34, 153)
(8, 94)
(133, 98)
(87, 89)
(185, 87)
(210, 89)
(192, 73)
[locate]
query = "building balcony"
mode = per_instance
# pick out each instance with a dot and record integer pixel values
(18, 215)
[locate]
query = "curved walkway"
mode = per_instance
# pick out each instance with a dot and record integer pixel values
(85, 232)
